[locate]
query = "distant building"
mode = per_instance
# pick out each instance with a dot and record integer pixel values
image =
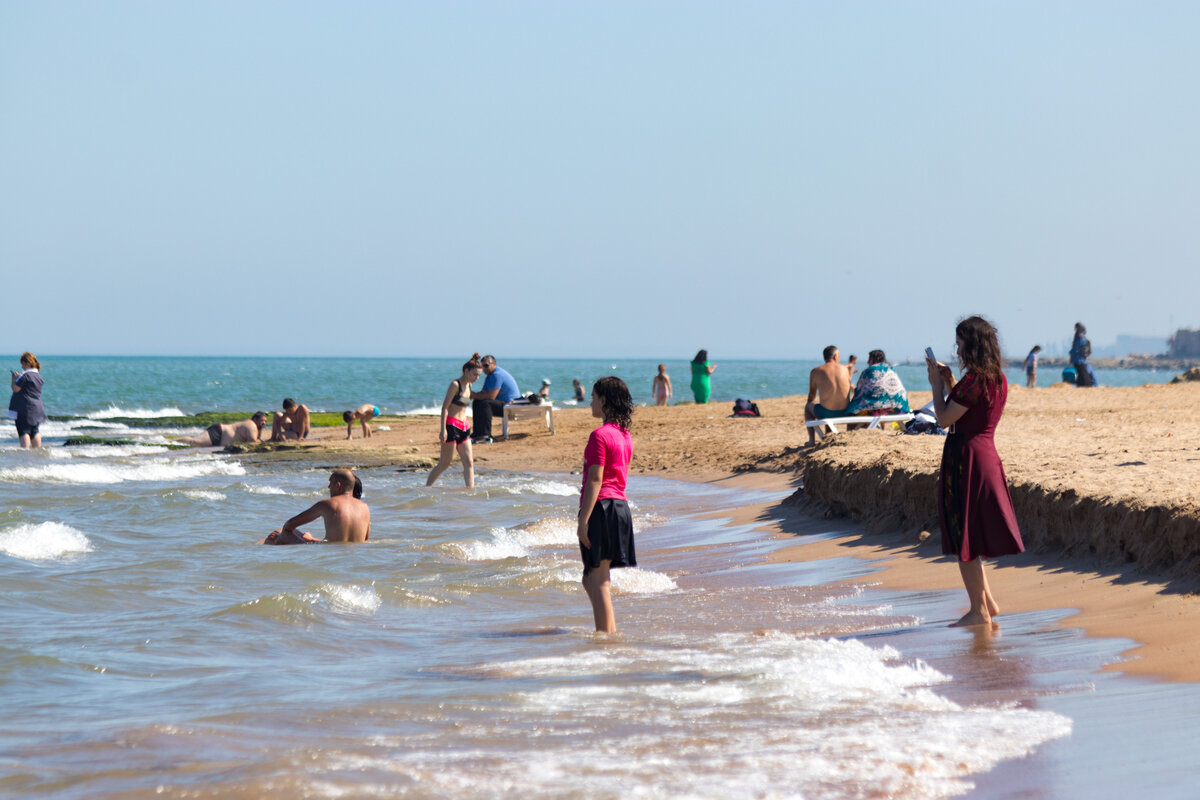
(1127, 345)
(1184, 344)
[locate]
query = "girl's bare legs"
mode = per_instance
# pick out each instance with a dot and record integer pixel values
(443, 463)
(989, 602)
(468, 460)
(977, 591)
(596, 584)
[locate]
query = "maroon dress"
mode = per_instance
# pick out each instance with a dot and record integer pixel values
(974, 506)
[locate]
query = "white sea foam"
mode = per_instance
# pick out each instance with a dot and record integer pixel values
(201, 494)
(103, 451)
(135, 413)
(634, 580)
(424, 411)
(836, 718)
(538, 486)
(43, 541)
(346, 599)
(264, 489)
(148, 469)
(501, 543)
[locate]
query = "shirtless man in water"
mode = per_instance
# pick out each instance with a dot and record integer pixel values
(347, 518)
(830, 382)
(223, 435)
(292, 423)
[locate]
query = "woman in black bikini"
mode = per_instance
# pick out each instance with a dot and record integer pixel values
(454, 431)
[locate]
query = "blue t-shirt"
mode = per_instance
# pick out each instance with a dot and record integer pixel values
(500, 379)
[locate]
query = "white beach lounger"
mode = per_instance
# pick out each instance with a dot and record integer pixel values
(871, 422)
(519, 411)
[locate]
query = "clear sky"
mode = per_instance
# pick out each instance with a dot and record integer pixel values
(560, 179)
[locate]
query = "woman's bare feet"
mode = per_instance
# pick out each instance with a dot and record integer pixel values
(972, 618)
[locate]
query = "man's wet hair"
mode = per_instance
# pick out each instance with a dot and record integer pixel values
(288, 404)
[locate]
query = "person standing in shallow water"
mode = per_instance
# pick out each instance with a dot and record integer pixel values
(605, 524)
(974, 506)
(454, 433)
(25, 407)
(661, 386)
(701, 377)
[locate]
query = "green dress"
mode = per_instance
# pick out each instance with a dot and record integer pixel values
(701, 383)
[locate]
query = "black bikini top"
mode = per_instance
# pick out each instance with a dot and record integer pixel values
(462, 398)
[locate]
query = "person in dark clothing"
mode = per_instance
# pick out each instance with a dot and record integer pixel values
(25, 407)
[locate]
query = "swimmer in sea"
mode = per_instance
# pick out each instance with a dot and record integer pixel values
(347, 518)
(223, 435)
(362, 414)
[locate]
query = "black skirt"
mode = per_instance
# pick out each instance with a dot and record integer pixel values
(610, 532)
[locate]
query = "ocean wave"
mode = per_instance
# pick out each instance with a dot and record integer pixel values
(633, 580)
(201, 494)
(135, 413)
(346, 599)
(43, 541)
(157, 469)
(502, 543)
(538, 486)
(263, 489)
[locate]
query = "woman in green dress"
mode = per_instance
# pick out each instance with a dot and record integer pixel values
(701, 369)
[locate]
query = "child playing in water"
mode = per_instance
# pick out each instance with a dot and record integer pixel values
(662, 386)
(605, 526)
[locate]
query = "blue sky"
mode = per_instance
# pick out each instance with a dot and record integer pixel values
(594, 179)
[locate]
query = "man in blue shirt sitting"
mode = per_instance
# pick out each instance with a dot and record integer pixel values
(498, 389)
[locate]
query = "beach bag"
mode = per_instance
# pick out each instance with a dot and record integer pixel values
(745, 408)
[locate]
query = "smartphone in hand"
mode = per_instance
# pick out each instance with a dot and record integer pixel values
(929, 354)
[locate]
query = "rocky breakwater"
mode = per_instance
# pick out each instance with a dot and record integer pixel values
(1111, 475)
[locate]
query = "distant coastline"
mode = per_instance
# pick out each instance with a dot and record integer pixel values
(1131, 361)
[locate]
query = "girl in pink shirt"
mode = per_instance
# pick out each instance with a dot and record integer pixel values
(605, 526)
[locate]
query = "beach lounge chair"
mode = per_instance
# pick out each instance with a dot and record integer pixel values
(871, 422)
(524, 410)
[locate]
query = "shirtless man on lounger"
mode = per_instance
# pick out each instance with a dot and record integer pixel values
(347, 518)
(831, 383)
(223, 435)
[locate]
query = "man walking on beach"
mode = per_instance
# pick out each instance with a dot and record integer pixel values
(499, 388)
(223, 435)
(347, 518)
(831, 383)
(292, 423)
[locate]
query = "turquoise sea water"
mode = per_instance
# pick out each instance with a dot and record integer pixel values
(95, 385)
(150, 649)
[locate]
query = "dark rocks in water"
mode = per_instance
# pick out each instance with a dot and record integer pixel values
(83, 441)
(1192, 374)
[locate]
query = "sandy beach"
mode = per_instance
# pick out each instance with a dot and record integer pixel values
(1103, 481)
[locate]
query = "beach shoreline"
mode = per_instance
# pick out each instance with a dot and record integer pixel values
(1112, 448)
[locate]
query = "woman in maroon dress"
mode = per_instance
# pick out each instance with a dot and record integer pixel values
(974, 507)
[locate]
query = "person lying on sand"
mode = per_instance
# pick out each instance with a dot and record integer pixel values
(222, 435)
(347, 518)
(362, 413)
(292, 423)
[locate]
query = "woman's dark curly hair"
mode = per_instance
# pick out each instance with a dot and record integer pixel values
(980, 350)
(615, 400)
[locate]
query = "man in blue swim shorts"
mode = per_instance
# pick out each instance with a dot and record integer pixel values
(362, 414)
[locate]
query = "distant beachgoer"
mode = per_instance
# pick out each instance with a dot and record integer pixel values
(25, 406)
(292, 423)
(828, 390)
(1031, 367)
(662, 386)
(580, 395)
(605, 525)
(347, 518)
(852, 366)
(879, 389)
(544, 392)
(701, 382)
(974, 506)
(224, 434)
(1081, 350)
(499, 388)
(363, 413)
(454, 432)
